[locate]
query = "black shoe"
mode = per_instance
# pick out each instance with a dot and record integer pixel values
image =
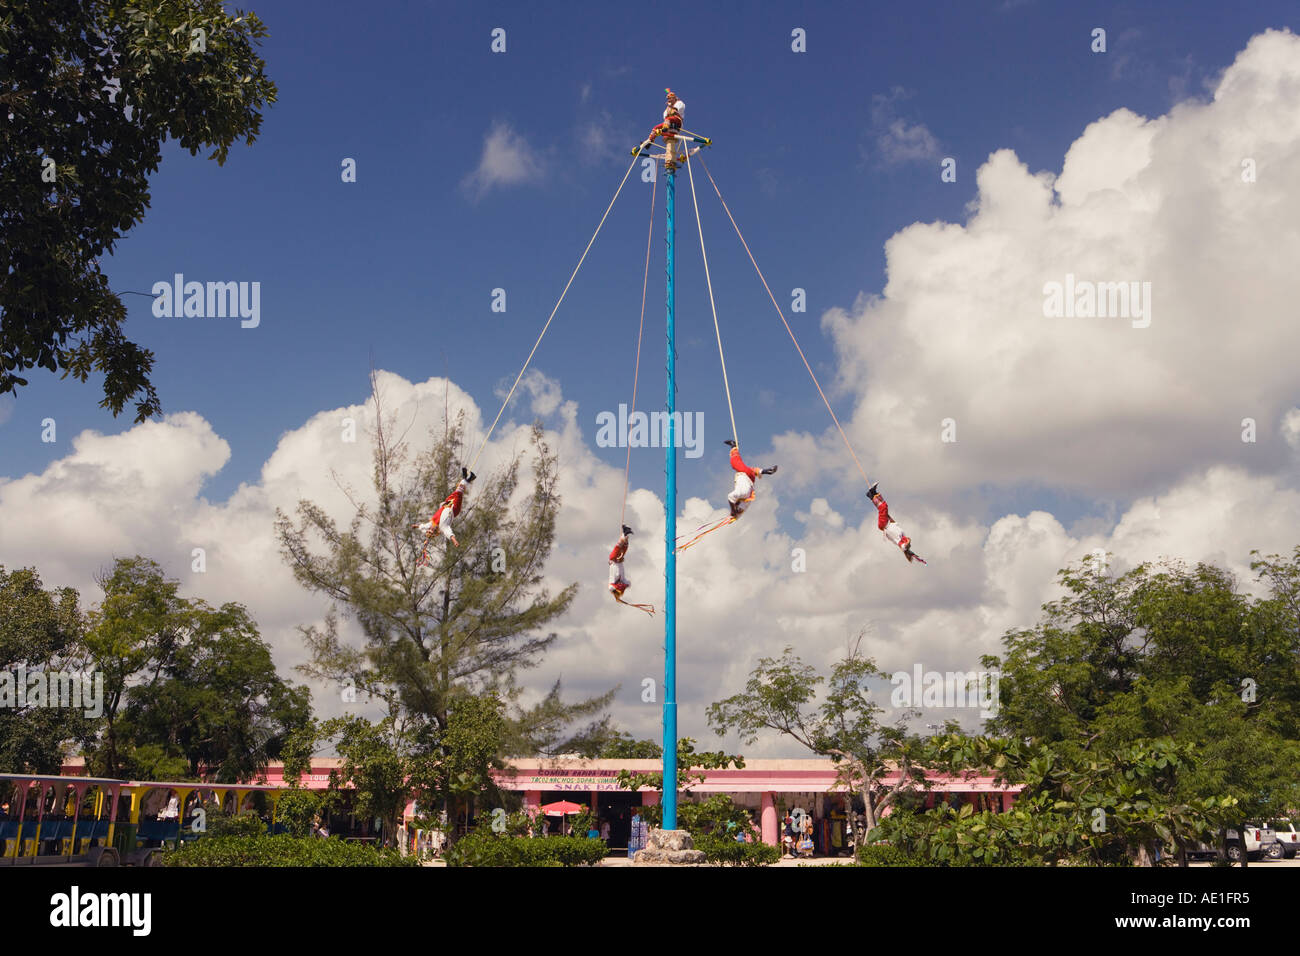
(871, 492)
(626, 529)
(464, 472)
(729, 442)
(770, 471)
(471, 477)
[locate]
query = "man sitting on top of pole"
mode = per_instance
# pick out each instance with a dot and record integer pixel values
(671, 125)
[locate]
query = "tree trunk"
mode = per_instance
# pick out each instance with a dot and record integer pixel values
(869, 811)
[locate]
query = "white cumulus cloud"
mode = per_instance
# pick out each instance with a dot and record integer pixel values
(506, 160)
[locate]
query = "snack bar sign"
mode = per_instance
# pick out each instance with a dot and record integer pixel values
(571, 780)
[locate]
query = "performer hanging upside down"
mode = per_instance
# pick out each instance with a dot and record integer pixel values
(743, 493)
(889, 527)
(440, 523)
(618, 582)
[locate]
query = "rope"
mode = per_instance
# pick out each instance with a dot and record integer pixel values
(700, 227)
(707, 528)
(648, 608)
(552, 315)
(847, 444)
(702, 531)
(627, 469)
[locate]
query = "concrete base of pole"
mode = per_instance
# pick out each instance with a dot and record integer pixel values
(668, 848)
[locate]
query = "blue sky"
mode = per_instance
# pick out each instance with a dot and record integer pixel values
(400, 265)
(1167, 160)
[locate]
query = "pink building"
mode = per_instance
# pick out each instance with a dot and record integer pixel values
(768, 788)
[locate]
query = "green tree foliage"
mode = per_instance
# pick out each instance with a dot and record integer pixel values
(218, 699)
(781, 695)
(544, 728)
(1109, 806)
(301, 809)
(378, 766)
(188, 689)
(1167, 650)
(95, 87)
(39, 630)
(691, 767)
(388, 763)
(467, 752)
(621, 746)
(713, 816)
(244, 825)
(465, 625)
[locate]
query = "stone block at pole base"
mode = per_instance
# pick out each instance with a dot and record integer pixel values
(668, 848)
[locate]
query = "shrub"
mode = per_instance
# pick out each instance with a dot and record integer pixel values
(727, 851)
(482, 847)
(883, 854)
(282, 850)
(298, 809)
(245, 825)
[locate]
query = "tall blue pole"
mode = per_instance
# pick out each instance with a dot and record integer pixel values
(670, 538)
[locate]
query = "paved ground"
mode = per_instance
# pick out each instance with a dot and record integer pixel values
(1265, 864)
(815, 861)
(844, 860)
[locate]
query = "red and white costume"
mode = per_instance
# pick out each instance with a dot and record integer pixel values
(889, 527)
(745, 478)
(618, 582)
(440, 523)
(670, 126)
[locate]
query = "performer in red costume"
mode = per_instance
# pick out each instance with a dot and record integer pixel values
(671, 125)
(889, 527)
(440, 523)
(743, 492)
(618, 582)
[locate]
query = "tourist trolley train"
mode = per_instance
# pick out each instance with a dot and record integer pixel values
(99, 821)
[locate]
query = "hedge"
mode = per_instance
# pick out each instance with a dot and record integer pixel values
(282, 850)
(883, 854)
(482, 847)
(721, 849)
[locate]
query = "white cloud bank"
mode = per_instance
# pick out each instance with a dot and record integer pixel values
(1095, 405)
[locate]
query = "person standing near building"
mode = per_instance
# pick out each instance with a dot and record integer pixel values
(806, 844)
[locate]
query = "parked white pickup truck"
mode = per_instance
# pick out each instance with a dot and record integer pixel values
(1260, 841)
(1288, 841)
